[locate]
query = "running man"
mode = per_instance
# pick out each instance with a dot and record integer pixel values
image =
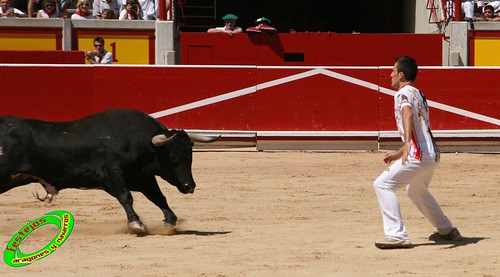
(412, 165)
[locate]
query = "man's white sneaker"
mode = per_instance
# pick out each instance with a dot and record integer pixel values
(389, 243)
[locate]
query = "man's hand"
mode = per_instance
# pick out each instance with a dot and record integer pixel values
(391, 156)
(405, 153)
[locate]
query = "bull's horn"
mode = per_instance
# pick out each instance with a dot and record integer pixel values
(160, 140)
(201, 138)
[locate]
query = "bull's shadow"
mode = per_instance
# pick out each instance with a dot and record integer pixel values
(201, 233)
(452, 244)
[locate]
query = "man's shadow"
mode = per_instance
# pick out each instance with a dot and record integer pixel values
(272, 41)
(452, 244)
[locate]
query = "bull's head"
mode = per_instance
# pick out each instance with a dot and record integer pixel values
(175, 158)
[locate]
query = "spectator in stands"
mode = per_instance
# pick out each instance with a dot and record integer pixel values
(99, 6)
(263, 26)
(229, 28)
(82, 10)
(99, 55)
(7, 11)
(149, 9)
(468, 7)
(495, 5)
(33, 7)
(49, 10)
(108, 14)
(489, 14)
(168, 7)
(63, 8)
(132, 11)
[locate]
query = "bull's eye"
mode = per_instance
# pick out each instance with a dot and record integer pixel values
(174, 160)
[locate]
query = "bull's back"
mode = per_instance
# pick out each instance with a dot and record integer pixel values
(112, 126)
(76, 147)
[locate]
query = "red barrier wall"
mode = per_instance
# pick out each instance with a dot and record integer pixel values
(312, 49)
(250, 98)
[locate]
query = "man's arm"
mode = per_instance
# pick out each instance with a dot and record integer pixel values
(408, 130)
(30, 8)
(107, 59)
(402, 152)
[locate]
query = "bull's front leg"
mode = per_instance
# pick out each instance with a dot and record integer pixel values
(152, 192)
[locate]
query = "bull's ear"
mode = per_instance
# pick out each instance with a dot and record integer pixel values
(160, 140)
(200, 138)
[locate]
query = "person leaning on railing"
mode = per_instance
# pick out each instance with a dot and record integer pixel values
(263, 26)
(488, 14)
(7, 11)
(82, 10)
(49, 10)
(132, 11)
(229, 28)
(99, 55)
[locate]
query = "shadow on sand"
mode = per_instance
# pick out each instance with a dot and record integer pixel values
(452, 244)
(201, 233)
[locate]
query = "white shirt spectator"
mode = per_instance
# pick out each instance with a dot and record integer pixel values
(44, 15)
(467, 9)
(106, 59)
(150, 9)
(77, 16)
(16, 11)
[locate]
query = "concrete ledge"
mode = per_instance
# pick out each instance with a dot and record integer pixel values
(485, 141)
(317, 140)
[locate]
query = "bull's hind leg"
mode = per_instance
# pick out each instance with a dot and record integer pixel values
(12, 181)
(125, 198)
(152, 192)
(118, 188)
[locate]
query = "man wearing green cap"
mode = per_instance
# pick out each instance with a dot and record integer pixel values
(263, 26)
(229, 26)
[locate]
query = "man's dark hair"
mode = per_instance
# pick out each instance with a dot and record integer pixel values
(408, 66)
(489, 7)
(100, 40)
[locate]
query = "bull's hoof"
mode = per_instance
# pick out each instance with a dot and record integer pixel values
(169, 229)
(136, 227)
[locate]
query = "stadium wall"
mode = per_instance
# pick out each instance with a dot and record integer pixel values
(270, 107)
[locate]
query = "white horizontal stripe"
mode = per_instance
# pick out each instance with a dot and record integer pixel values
(315, 71)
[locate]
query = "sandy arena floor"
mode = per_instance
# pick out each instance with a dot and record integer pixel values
(269, 214)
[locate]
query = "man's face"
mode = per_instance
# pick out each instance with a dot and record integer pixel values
(99, 47)
(4, 4)
(488, 13)
(395, 77)
(230, 23)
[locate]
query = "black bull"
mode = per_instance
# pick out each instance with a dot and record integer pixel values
(116, 150)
